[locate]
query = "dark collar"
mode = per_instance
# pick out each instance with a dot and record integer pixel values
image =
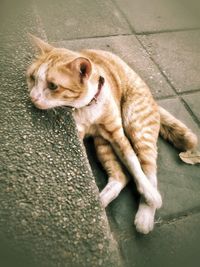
(100, 85)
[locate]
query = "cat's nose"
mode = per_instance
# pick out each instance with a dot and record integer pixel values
(35, 98)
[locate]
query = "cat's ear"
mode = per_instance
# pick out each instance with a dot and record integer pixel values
(82, 66)
(40, 44)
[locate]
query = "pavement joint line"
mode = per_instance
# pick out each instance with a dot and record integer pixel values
(124, 16)
(179, 96)
(157, 65)
(178, 217)
(125, 234)
(195, 119)
(92, 37)
(185, 93)
(105, 36)
(165, 97)
(166, 31)
(188, 92)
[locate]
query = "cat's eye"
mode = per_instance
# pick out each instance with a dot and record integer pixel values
(52, 86)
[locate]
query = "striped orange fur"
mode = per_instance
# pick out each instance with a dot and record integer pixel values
(114, 105)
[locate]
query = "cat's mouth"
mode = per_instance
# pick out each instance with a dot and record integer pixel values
(100, 85)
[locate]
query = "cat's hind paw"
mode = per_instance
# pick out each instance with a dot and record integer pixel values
(144, 220)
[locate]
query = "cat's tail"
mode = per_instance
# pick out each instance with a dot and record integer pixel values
(176, 132)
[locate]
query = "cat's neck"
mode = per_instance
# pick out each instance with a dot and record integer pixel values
(99, 89)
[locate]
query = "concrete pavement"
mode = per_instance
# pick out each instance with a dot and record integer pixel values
(50, 213)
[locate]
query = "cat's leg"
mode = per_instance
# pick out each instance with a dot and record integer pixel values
(142, 128)
(144, 219)
(117, 179)
(122, 147)
(146, 148)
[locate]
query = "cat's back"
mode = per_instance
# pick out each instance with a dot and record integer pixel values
(114, 66)
(117, 71)
(106, 59)
(123, 79)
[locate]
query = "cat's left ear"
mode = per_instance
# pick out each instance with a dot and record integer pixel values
(40, 44)
(82, 66)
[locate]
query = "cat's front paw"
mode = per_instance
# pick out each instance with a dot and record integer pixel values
(144, 220)
(110, 192)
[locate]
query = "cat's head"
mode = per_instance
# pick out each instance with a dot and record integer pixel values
(60, 77)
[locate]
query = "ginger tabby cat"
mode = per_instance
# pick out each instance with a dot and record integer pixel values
(115, 106)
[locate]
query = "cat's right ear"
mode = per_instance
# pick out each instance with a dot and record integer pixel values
(82, 67)
(42, 46)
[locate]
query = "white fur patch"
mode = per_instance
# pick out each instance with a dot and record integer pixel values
(91, 91)
(88, 115)
(41, 74)
(37, 90)
(110, 192)
(144, 219)
(144, 186)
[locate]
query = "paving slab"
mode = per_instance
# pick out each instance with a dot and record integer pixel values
(177, 54)
(179, 182)
(157, 15)
(193, 5)
(131, 51)
(174, 244)
(193, 102)
(78, 19)
(13, 29)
